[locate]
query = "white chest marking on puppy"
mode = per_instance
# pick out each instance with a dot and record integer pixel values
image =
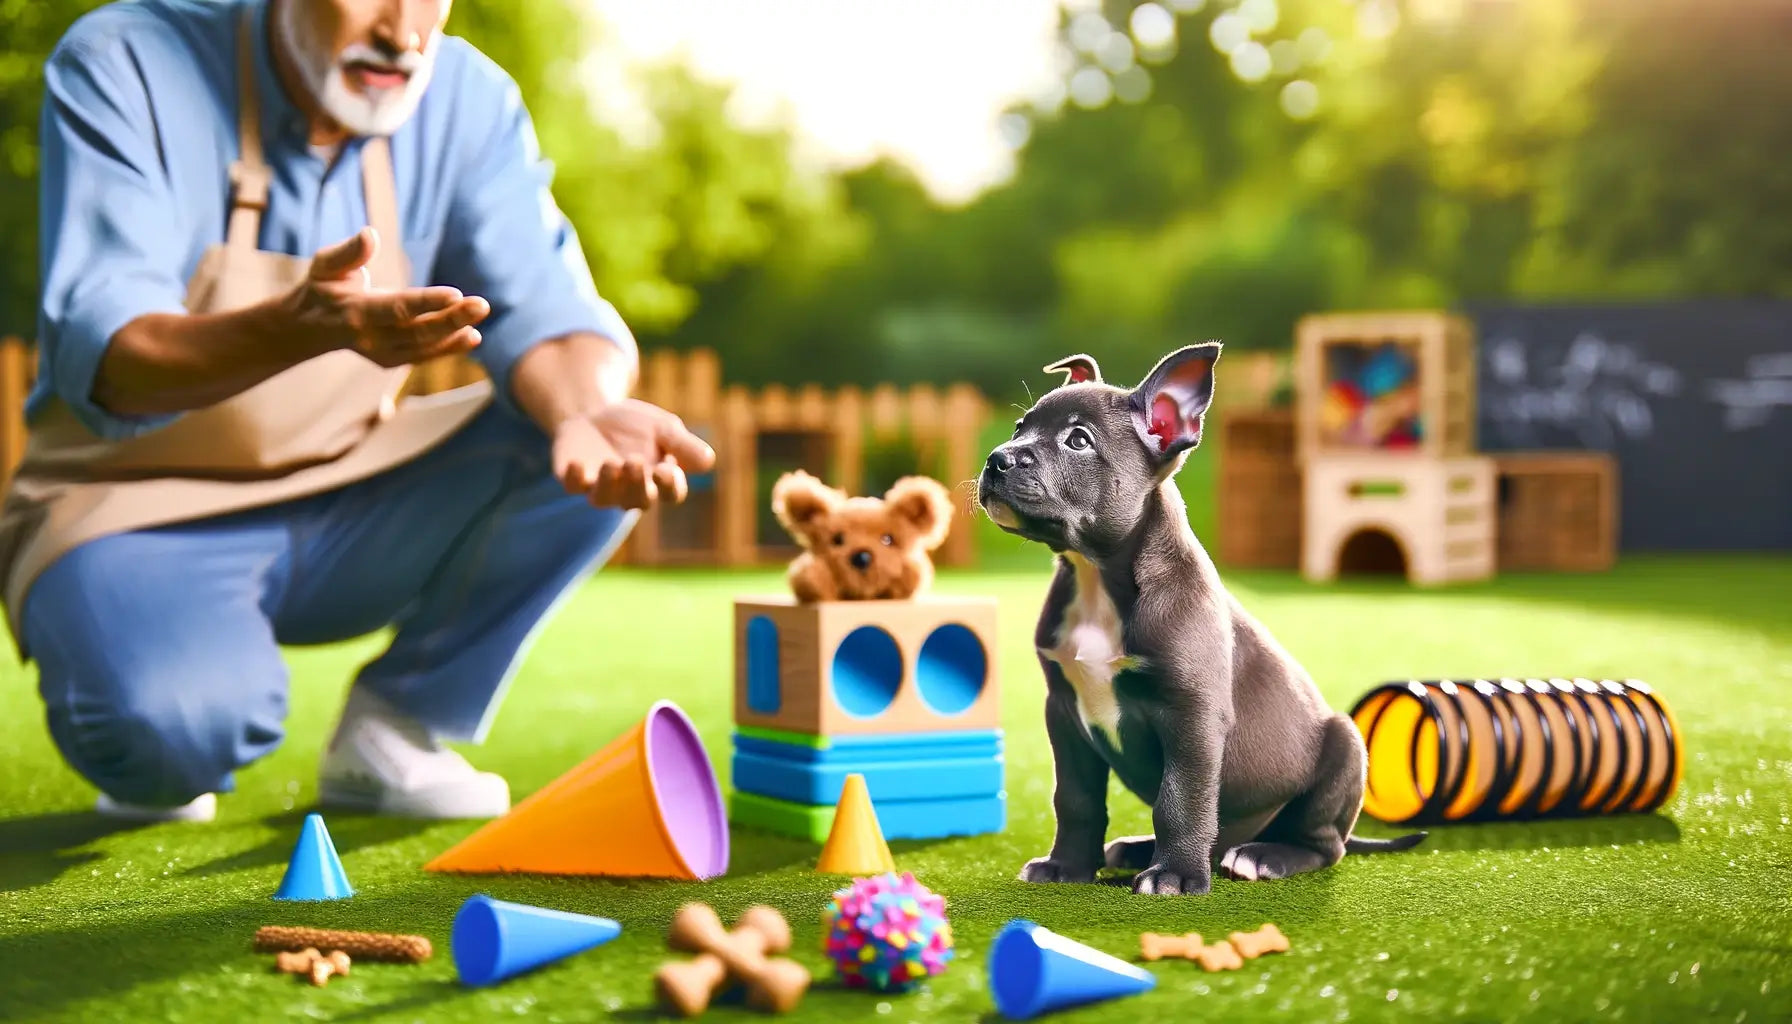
(1090, 649)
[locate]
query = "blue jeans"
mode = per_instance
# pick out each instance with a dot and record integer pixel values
(159, 650)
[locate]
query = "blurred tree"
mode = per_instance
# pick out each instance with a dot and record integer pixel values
(1206, 168)
(30, 31)
(657, 218)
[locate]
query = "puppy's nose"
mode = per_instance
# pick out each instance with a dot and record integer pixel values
(1001, 460)
(861, 559)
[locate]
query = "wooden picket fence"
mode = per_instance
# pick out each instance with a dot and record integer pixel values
(943, 426)
(823, 431)
(18, 370)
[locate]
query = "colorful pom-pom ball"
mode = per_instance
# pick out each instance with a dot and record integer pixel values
(887, 933)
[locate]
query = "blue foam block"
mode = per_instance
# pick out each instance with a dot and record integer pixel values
(937, 819)
(810, 783)
(934, 766)
(880, 747)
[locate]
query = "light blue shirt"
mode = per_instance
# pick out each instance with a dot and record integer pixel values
(140, 130)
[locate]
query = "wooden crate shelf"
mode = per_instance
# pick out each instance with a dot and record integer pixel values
(1558, 511)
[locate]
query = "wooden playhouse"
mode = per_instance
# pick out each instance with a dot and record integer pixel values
(1375, 467)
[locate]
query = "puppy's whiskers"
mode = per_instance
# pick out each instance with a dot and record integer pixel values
(969, 487)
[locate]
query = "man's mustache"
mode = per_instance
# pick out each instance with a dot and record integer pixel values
(408, 61)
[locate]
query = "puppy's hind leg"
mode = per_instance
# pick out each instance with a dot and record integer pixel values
(1309, 833)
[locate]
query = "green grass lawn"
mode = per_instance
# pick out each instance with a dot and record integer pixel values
(1686, 914)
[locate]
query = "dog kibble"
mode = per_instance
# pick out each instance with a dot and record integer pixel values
(1219, 956)
(1267, 939)
(1153, 946)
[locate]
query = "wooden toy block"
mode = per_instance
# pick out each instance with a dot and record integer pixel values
(1557, 510)
(1429, 519)
(1385, 381)
(854, 667)
(1259, 491)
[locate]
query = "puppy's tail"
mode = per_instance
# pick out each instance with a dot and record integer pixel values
(1356, 844)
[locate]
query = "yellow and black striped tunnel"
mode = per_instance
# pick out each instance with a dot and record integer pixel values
(1512, 749)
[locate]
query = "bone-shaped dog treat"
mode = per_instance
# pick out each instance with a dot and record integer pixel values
(687, 988)
(1267, 939)
(772, 985)
(310, 962)
(1219, 956)
(1153, 946)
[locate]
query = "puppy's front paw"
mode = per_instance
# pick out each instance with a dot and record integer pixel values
(1045, 869)
(1158, 880)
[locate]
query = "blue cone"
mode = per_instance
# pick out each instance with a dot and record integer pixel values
(315, 872)
(1034, 970)
(494, 940)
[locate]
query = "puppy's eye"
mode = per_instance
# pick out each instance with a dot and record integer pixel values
(888, 540)
(839, 539)
(1078, 439)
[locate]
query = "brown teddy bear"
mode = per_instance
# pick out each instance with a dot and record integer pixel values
(862, 549)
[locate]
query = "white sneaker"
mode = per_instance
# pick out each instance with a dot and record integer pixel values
(387, 763)
(201, 808)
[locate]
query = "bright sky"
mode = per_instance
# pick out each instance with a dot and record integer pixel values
(923, 80)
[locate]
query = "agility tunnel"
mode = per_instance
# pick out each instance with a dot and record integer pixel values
(1512, 749)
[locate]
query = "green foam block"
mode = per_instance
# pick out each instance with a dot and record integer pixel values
(795, 739)
(781, 816)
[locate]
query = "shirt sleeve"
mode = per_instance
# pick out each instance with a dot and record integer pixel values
(110, 249)
(507, 241)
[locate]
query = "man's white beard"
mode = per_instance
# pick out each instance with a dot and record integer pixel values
(326, 77)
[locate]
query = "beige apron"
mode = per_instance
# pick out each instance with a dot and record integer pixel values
(327, 422)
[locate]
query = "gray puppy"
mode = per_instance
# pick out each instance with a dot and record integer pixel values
(1153, 669)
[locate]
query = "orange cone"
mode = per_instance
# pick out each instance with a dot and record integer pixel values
(646, 806)
(855, 844)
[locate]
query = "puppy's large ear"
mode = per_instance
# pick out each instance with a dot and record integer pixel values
(923, 503)
(1168, 405)
(1076, 369)
(798, 500)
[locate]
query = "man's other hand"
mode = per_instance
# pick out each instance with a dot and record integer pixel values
(631, 455)
(337, 307)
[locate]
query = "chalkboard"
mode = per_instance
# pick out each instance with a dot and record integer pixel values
(1693, 399)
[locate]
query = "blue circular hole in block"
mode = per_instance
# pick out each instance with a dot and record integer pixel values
(952, 669)
(764, 695)
(867, 671)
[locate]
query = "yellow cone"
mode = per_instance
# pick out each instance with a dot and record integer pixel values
(855, 844)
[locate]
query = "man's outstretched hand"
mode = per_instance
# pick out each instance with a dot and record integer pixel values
(337, 306)
(631, 455)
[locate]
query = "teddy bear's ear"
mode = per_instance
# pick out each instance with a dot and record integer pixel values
(799, 499)
(924, 504)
